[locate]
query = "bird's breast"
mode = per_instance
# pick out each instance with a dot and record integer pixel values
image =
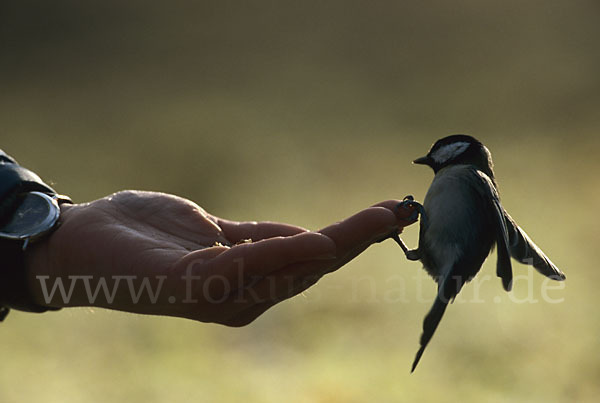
(455, 220)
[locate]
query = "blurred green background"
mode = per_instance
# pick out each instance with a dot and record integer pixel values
(306, 112)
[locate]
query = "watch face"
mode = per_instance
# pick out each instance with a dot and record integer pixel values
(35, 216)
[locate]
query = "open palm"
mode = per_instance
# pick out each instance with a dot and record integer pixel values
(156, 253)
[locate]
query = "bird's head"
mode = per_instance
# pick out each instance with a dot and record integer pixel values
(456, 150)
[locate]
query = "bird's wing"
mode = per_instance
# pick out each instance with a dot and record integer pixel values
(490, 195)
(513, 241)
(523, 249)
(447, 290)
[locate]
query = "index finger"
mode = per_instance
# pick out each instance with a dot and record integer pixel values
(258, 259)
(236, 231)
(361, 229)
(402, 214)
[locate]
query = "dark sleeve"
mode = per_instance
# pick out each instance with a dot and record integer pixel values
(14, 290)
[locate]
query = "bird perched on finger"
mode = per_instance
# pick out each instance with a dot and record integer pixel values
(464, 220)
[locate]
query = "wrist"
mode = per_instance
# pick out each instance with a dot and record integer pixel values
(42, 264)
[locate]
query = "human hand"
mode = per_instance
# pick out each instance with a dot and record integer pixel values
(154, 253)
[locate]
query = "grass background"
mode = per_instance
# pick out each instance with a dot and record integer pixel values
(306, 112)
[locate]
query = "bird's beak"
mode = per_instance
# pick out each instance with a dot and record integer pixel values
(423, 160)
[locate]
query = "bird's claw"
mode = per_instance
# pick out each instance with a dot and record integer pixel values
(409, 202)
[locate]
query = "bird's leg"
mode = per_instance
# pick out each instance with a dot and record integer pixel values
(411, 254)
(408, 202)
(396, 237)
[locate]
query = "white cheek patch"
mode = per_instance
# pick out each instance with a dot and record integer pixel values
(449, 151)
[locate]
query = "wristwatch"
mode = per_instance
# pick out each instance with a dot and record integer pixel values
(29, 211)
(36, 215)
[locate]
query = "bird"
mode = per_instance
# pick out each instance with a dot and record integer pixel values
(462, 220)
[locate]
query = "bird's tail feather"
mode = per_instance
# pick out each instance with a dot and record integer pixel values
(447, 290)
(430, 323)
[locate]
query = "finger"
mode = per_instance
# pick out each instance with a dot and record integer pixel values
(351, 236)
(403, 215)
(236, 231)
(247, 264)
(362, 229)
(276, 286)
(200, 256)
(249, 315)
(218, 272)
(192, 268)
(209, 253)
(248, 306)
(263, 257)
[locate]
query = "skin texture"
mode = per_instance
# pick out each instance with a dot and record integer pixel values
(165, 240)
